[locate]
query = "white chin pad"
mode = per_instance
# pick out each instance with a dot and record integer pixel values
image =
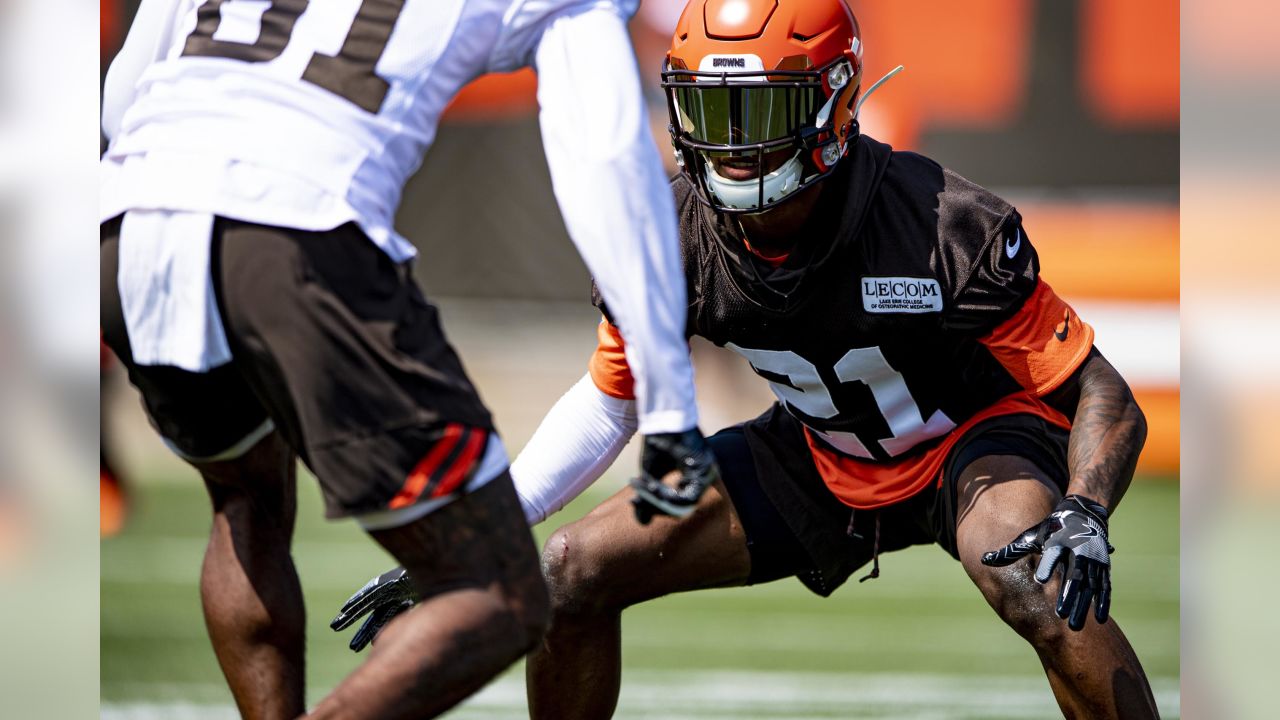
(745, 194)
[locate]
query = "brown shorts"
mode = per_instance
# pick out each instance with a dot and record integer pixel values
(333, 343)
(796, 526)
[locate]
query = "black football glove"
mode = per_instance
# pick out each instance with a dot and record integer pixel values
(687, 452)
(1075, 537)
(382, 598)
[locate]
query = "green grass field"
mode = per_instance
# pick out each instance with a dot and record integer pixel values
(919, 642)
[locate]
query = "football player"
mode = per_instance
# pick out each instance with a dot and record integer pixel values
(932, 388)
(256, 290)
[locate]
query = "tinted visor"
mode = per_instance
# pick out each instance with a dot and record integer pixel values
(743, 113)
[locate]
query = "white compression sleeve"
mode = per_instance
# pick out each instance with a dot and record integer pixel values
(146, 42)
(617, 203)
(576, 442)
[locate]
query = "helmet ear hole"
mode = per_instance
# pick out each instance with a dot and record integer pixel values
(831, 154)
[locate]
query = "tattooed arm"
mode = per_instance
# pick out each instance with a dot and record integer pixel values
(1107, 432)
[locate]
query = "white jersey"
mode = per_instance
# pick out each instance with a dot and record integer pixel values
(313, 114)
(307, 114)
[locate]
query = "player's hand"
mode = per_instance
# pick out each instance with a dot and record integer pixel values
(686, 452)
(382, 598)
(1074, 536)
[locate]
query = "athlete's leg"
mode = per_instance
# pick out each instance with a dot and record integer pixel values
(248, 585)
(1094, 672)
(249, 588)
(484, 605)
(606, 562)
(351, 361)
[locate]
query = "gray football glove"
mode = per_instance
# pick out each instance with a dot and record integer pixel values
(382, 598)
(1073, 537)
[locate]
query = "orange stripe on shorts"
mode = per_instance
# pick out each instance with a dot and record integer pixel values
(457, 472)
(421, 475)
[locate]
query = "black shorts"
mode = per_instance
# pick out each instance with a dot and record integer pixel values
(333, 343)
(795, 526)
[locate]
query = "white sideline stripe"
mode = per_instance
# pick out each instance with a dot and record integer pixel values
(735, 695)
(1141, 339)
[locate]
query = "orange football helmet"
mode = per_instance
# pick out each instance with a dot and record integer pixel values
(770, 81)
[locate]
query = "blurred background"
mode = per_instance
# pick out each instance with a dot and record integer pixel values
(1070, 109)
(48, 358)
(1231, 353)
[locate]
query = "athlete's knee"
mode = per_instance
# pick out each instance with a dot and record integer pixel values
(579, 579)
(1023, 604)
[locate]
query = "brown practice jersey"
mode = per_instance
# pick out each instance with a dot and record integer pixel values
(909, 310)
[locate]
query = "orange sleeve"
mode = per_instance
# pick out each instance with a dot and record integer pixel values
(608, 366)
(1043, 343)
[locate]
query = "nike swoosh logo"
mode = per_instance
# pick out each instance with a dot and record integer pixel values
(1089, 533)
(1011, 248)
(1065, 329)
